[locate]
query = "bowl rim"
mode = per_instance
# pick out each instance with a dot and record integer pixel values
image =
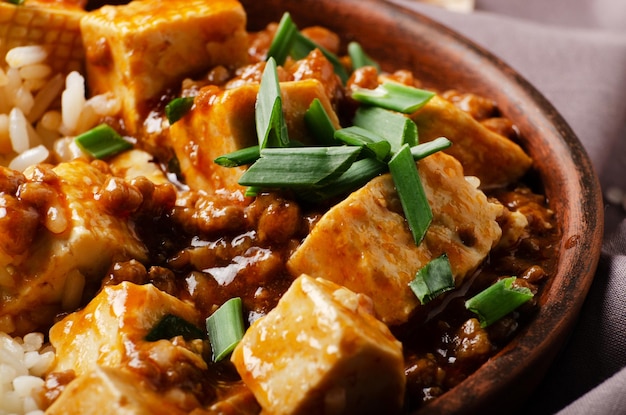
(510, 376)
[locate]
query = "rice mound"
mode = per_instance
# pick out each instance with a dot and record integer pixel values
(23, 363)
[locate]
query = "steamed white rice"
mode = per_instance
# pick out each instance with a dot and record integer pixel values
(40, 113)
(39, 107)
(23, 363)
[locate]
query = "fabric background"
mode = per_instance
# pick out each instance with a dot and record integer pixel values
(574, 52)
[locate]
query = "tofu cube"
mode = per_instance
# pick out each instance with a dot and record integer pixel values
(364, 243)
(222, 121)
(52, 272)
(494, 159)
(140, 49)
(321, 351)
(110, 330)
(105, 390)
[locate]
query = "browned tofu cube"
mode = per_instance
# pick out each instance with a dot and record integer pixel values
(364, 243)
(321, 351)
(494, 159)
(140, 49)
(222, 121)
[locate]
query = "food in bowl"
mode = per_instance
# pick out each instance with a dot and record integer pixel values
(233, 221)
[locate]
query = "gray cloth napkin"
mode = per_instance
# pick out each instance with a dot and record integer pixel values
(574, 52)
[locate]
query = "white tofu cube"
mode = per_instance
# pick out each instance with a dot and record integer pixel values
(321, 351)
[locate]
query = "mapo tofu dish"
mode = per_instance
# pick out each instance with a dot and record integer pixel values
(198, 218)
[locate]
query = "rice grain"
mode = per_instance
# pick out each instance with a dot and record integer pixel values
(72, 100)
(26, 55)
(18, 130)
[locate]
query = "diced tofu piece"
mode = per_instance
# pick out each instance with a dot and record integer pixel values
(514, 228)
(106, 390)
(110, 330)
(134, 163)
(494, 159)
(321, 351)
(52, 25)
(139, 49)
(53, 268)
(364, 243)
(222, 121)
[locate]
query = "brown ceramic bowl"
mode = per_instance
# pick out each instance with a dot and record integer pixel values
(398, 38)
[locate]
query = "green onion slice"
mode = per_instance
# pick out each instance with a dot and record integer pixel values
(394, 96)
(288, 41)
(225, 328)
(270, 123)
(283, 39)
(298, 167)
(319, 123)
(177, 108)
(359, 58)
(426, 149)
(497, 301)
(432, 280)
(396, 128)
(411, 192)
(247, 155)
(357, 175)
(102, 141)
(171, 326)
(372, 144)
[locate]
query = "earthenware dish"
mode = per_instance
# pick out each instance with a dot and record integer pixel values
(399, 38)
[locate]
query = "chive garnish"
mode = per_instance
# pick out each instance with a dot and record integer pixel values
(281, 45)
(171, 326)
(225, 328)
(411, 192)
(177, 108)
(102, 141)
(393, 126)
(394, 96)
(359, 58)
(426, 149)
(246, 155)
(372, 144)
(319, 123)
(288, 41)
(433, 279)
(357, 175)
(498, 300)
(299, 167)
(270, 123)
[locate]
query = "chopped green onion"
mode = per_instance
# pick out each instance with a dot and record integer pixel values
(283, 39)
(394, 96)
(372, 144)
(318, 121)
(426, 149)
(102, 141)
(225, 328)
(298, 167)
(177, 108)
(359, 58)
(288, 41)
(247, 155)
(171, 326)
(16, 2)
(497, 301)
(411, 192)
(433, 279)
(270, 122)
(393, 126)
(357, 175)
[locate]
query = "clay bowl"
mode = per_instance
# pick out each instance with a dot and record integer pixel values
(398, 38)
